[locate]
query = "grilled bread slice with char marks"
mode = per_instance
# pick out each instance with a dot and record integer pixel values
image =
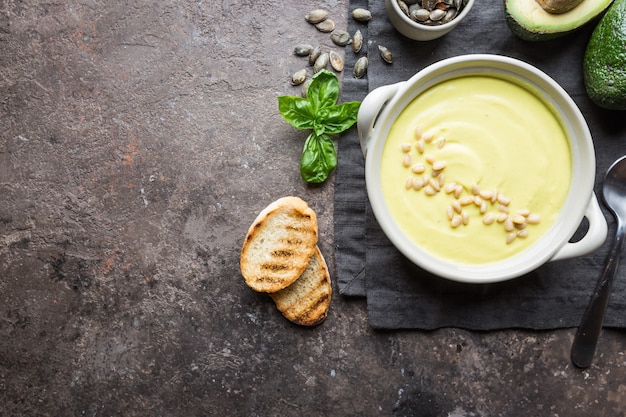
(306, 302)
(278, 245)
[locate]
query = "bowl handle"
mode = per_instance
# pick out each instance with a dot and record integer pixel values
(369, 110)
(593, 239)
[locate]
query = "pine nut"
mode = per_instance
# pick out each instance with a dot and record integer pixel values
(483, 207)
(419, 145)
(533, 218)
(478, 201)
(494, 197)
(428, 137)
(417, 184)
(450, 187)
(466, 201)
(465, 217)
(405, 147)
(418, 168)
(458, 191)
(450, 212)
(486, 195)
(430, 159)
(409, 183)
(435, 184)
(502, 218)
(406, 161)
(504, 200)
(441, 143)
(456, 221)
(441, 179)
(510, 237)
(524, 212)
(456, 205)
(429, 190)
(489, 218)
(518, 219)
(522, 233)
(439, 165)
(475, 189)
(503, 208)
(508, 225)
(418, 132)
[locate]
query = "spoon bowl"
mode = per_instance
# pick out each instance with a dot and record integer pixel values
(588, 333)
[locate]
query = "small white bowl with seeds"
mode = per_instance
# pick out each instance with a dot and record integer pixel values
(480, 168)
(425, 20)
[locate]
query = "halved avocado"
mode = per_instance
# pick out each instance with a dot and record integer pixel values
(528, 20)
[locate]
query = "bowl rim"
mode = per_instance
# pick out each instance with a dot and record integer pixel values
(577, 199)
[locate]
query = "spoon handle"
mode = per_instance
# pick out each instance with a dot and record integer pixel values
(588, 333)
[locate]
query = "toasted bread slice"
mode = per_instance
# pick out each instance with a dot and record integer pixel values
(278, 245)
(307, 301)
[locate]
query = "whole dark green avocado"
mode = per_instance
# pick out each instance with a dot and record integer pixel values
(604, 65)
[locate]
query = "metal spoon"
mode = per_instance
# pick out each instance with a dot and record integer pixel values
(586, 339)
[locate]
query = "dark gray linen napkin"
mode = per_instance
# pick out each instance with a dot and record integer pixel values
(399, 294)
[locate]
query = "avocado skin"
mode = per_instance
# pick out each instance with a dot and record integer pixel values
(604, 64)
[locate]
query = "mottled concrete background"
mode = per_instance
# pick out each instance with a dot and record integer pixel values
(138, 141)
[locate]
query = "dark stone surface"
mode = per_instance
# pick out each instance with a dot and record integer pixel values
(138, 141)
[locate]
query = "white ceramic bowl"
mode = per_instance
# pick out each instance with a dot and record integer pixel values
(382, 106)
(418, 31)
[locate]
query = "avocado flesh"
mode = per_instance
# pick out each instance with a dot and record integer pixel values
(528, 20)
(604, 64)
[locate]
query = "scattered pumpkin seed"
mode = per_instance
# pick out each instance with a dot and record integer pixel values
(336, 61)
(340, 37)
(362, 15)
(325, 26)
(298, 77)
(316, 16)
(357, 41)
(321, 62)
(360, 67)
(315, 53)
(302, 49)
(386, 54)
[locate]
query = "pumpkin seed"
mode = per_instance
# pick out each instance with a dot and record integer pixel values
(385, 54)
(403, 6)
(298, 77)
(357, 41)
(362, 15)
(336, 61)
(340, 37)
(302, 49)
(325, 26)
(360, 67)
(305, 87)
(315, 53)
(316, 16)
(321, 62)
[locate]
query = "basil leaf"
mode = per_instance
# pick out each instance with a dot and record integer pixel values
(336, 119)
(323, 90)
(319, 158)
(297, 111)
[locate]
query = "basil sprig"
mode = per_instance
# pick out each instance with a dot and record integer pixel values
(320, 113)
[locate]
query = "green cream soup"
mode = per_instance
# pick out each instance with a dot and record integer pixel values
(475, 169)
